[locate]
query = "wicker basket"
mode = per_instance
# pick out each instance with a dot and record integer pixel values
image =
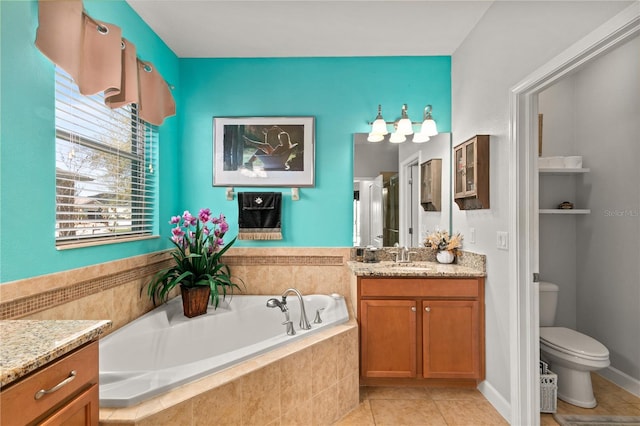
(548, 392)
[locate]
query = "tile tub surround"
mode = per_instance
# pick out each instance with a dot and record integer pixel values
(310, 381)
(28, 345)
(112, 290)
(116, 290)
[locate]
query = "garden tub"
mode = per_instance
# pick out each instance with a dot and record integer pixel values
(164, 349)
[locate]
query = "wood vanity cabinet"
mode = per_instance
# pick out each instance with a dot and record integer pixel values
(76, 402)
(471, 162)
(421, 330)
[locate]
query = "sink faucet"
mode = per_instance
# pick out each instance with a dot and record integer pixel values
(304, 321)
(275, 303)
(402, 254)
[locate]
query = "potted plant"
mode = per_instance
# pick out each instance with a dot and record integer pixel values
(448, 246)
(197, 268)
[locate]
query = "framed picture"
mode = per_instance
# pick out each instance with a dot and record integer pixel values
(263, 151)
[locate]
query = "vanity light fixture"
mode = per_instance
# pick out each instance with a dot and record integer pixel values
(403, 127)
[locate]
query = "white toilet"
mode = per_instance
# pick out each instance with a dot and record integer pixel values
(570, 354)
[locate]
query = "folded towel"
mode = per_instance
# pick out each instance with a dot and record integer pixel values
(259, 215)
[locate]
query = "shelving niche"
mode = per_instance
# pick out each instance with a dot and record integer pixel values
(563, 172)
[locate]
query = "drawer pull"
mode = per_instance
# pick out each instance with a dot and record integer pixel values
(428, 309)
(42, 392)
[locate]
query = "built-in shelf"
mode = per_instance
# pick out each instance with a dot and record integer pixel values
(562, 171)
(564, 211)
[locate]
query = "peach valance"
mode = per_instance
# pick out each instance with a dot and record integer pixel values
(100, 60)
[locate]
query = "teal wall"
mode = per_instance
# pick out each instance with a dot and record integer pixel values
(341, 93)
(27, 144)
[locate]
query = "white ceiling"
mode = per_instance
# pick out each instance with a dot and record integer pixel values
(224, 29)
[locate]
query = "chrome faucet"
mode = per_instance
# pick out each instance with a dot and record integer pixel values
(403, 254)
(275, 303)
(304, 321)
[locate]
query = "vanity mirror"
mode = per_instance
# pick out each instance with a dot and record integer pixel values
(387, 191)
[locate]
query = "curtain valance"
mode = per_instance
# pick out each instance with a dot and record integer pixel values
(100, 60)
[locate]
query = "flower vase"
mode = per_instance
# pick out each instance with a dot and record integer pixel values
(445, 256)
(195, 300)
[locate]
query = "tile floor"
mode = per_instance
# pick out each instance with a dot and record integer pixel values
(612, 400)
(445, 406)
(421, 406)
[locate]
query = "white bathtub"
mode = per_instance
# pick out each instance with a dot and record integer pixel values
(164, 349)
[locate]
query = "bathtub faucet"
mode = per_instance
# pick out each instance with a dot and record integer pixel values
(275, 303)
(304, 321)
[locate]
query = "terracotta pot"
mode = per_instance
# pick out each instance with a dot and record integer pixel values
(195, 300)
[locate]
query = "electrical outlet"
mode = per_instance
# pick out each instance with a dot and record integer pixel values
(503, 240)
(472, 235)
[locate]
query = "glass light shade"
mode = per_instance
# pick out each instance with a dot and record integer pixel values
(397, 137)
(380, 127)
(405, 127)
(421, 138)
(429, 127)
(375, 137)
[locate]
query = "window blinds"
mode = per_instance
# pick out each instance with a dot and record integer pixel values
(105, 169)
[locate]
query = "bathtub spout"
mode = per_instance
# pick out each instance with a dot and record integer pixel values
(304, 321)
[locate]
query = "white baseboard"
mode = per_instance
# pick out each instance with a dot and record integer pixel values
(493, 396)
(621, 379)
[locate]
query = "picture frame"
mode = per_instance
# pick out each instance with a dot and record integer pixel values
(264, 151)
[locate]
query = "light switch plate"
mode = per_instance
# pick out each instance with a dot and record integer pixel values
(503, 240)
(472, 235)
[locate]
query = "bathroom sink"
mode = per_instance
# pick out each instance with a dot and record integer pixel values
(412, 267)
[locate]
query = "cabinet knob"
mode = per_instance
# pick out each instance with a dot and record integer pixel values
(428, 309)
(413, 309)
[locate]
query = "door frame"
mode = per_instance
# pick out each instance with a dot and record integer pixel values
(406, 198)
(523, 204)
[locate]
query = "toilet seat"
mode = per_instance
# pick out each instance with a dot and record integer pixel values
(573, 343)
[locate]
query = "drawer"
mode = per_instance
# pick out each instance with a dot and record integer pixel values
(18, 402)
(420, 287)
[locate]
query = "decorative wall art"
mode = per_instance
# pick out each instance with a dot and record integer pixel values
(263, 151)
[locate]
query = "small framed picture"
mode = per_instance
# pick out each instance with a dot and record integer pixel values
(263, 151)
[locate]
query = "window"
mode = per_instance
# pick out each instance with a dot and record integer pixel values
(105, 181)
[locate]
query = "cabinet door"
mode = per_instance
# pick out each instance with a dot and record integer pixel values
(83, 410)
(426, 177)
(451, 339)
(470, 168)
(459, 162)
(388, 338)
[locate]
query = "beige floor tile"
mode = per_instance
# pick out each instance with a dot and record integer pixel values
(397, 393)
(361, 416)
(397, 412)
(546, 419)
(438, 394)
(469, 412)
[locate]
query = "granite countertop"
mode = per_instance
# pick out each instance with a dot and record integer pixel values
(26, 345)
(414, 269)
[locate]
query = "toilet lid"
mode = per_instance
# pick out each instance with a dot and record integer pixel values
(573, 343)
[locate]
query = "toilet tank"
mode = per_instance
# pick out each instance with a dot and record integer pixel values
(548, 303)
